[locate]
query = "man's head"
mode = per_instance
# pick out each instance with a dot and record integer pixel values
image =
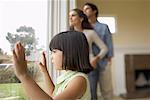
(90, 9)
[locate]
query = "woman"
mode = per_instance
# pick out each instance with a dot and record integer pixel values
(70, 52)
(78, 21)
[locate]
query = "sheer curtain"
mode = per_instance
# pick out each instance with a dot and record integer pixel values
(57, 22)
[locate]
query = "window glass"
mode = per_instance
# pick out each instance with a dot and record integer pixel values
(110, 21)
(24, 21)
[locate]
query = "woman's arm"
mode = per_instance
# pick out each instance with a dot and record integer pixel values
(103, 48)
(98, 41)
(49, 86)
(34, 92)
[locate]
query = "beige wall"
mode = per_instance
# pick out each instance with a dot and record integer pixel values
(133, 20)
(132, 36)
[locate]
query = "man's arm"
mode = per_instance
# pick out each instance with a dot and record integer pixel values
(109, 43)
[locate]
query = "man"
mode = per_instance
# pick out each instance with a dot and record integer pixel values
(102, 73)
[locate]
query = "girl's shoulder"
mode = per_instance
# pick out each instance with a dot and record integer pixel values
(69, 75)
(79, 74)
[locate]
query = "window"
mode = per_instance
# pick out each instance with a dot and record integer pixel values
(110, 21)
(25, 21)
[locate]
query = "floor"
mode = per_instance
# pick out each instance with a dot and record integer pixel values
(119, 98)
(115, 98)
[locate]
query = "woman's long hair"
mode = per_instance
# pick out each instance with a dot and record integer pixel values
(85, 23)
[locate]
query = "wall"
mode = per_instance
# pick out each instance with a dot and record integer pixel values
(133, 24)
(133, 32)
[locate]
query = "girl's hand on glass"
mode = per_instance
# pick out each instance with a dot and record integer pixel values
(20, 64)
(42, 64)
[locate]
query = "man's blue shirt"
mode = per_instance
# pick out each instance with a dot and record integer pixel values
(104, 33)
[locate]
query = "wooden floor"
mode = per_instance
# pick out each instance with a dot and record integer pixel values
(115, 98)
(119, 98)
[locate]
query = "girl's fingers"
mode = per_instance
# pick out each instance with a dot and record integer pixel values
(19, 50)
(43, 59)
(15, 48)
(22, 51)
(41, 66)
(14, 55)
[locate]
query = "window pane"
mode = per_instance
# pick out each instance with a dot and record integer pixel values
(24, 21)
(110, 21)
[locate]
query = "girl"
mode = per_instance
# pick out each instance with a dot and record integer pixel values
(70, 52)
(78, 21)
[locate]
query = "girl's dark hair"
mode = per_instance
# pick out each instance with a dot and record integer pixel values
(93, 7)
(85, 23)
(75, 50)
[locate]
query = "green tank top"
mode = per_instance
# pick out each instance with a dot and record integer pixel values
(65, 78)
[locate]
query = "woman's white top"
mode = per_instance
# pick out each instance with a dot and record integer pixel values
(92, 37)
